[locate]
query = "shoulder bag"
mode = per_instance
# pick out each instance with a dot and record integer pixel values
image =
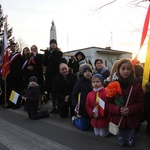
(113, 128)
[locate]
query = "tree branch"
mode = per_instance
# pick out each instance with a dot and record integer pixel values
(106, 4)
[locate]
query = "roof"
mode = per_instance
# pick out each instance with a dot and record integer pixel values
(101, 50)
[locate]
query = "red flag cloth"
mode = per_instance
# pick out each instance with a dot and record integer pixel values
(101, 107)
(5, 66)
(144, 33)
(145, 28)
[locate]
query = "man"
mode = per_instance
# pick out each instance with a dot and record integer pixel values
(62, 89)
(14, 78)
(52, 59)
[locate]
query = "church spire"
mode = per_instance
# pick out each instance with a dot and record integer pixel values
(53, 31)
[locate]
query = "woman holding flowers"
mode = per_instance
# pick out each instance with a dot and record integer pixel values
(117, 93)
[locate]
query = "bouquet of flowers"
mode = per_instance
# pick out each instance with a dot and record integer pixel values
(114, 90)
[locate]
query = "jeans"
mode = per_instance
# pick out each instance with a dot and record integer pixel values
(126, 137)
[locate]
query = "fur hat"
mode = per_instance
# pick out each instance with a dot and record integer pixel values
(99, 76)
(85, 67)
(53, 41)
(33, 78)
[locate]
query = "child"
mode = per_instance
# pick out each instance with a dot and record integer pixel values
(83, 86)
(99, 120)
(31, 99)
(115, 103)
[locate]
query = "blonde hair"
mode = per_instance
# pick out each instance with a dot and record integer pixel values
(113, 69)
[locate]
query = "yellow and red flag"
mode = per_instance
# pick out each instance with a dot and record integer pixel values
(144, 33)
(100, 107)
(146, 73)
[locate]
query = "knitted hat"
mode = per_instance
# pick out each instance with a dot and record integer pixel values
(85, 67)
(33, 78)
(53, 41)
(99, 76)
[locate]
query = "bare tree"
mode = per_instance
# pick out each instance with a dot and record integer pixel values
(132, 2)
(21, 44)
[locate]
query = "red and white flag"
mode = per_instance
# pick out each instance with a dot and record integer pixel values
(5, 66)
(101, 106)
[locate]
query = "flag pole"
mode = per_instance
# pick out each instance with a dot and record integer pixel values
(5, 92)
(5, 65)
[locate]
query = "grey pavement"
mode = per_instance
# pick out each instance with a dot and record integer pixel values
(17, 132)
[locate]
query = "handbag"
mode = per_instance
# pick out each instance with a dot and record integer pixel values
(113, 128)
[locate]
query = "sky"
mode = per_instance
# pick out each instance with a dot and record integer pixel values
(79, 23)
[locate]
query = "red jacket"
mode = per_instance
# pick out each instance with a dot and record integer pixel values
(101, 122)
(135, 105)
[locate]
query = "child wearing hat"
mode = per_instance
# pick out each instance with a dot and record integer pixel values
(80, 91)
(99, 116)
(31, 99)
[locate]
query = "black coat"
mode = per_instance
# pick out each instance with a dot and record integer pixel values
(33, 95)
(147, 106)
(52, 59)
(63, 86)
(37, 63)
(84, 87)
(14, 79)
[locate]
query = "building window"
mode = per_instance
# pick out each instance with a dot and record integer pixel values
(106, 63)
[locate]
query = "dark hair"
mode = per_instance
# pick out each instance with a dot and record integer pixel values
(99, 59)
(34, 46)
(26, 48)
(12, 43)
(138, 70)
(25, 56)
(131, 79)
(53, 41)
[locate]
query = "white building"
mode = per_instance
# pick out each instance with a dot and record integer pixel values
(108, 55)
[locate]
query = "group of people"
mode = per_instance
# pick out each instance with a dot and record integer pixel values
(92, 95)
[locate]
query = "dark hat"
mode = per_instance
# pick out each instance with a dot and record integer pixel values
(99, 76)
(33, 78)
(53, 41)
(85, 68)
(80, 53)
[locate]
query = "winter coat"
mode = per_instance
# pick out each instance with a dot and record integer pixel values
(32, 99)
(52, 59)
(104, 72)
(37, 63)
(83, 86)
(102, 121)
(63, 86)
(14, 79)
(135, 106)
(147, 103)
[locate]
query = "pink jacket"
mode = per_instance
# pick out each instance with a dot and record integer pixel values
(101, 122)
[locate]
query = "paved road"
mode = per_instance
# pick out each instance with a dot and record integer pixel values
(17, 132)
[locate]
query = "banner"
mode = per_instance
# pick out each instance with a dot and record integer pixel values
(5, 66)
(100, 108)
(144, 33)
(146, 73)
(14, 96)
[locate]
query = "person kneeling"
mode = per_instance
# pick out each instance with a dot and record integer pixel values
(31, 99)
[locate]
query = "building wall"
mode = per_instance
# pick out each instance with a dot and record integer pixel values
(108, 56)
